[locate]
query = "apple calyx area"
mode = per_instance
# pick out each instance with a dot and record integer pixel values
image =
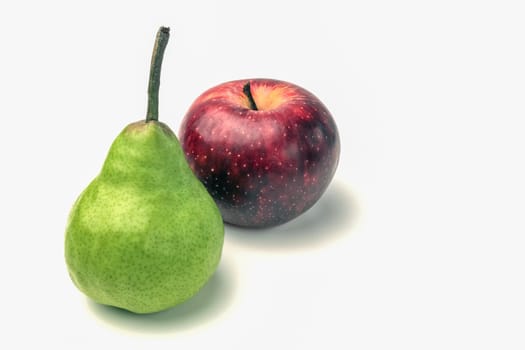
(268, 98)
(248, 92)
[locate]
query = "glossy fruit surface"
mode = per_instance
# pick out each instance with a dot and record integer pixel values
(266, 150)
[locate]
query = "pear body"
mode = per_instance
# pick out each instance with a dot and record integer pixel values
(145, 235)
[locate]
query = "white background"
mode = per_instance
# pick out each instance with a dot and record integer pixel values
(419, 243)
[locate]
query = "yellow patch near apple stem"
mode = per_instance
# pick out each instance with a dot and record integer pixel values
(266, 98)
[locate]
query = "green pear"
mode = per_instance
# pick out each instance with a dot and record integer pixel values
(145, 235)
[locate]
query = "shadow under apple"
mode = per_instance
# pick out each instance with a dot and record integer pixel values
(329, 219)
(211, 301)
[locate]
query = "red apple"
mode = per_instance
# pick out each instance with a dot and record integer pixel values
(266, 150)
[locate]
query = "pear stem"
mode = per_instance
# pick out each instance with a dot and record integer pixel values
(248, 92)
(161, 41)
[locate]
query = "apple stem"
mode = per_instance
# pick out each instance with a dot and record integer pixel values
(248, 92)
(161, 41)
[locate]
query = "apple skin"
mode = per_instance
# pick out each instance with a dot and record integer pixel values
(267, 166)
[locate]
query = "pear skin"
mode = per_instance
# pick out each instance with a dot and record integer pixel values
(145, 235)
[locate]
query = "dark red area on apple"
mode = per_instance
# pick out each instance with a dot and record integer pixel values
(262, 167)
